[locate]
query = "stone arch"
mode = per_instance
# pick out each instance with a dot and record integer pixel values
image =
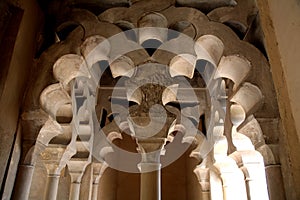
(217, 46)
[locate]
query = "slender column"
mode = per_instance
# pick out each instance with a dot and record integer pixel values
(227, 176)
(253, 168)
(256, 183)
(151, 133)
(74, 191)
(216, 191)
(202, 174)
(76, 170)
(52, 159)
(75, 186)
(98, 170)
(95, 191)
(150, 181)
(51, 187)
(150, 168)
(234, 186)
(23, 182)
(250, 161)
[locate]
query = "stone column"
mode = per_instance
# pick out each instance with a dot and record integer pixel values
(253, 167)
(52, 159)
(233, 180)
(202, 174)
(76, 171)
(74, 191)
(95, 191)
(150, 168)
(51, 186)
(23, 182)
(233, 185)
(98, 170)
(250, 161)
(150, 181)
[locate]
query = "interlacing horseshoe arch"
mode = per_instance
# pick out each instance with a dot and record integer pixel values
(146, 58)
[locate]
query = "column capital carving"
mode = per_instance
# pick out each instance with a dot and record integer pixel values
(203, 177)
(151, 126)
(151, 149)
(150, 145)
(52, 157)
(76, 169)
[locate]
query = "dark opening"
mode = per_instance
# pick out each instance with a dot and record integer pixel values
(65, 30)
(103, 117)
(238, 28)
(151, 46)
(202, 126)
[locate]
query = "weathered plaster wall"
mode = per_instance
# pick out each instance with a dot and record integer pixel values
(286, 21)
(281, 26)
(16, 79)
(13, 166)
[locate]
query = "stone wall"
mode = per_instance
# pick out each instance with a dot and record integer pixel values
(281, 26)
(17, 61)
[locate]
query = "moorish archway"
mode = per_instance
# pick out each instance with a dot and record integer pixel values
(194, 67)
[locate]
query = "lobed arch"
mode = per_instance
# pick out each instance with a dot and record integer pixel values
(76, 46)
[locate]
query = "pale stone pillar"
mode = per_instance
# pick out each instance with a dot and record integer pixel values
(74, 191)
(150, 181)
(227, 182)
(150, 168)
(76, 171)
(202, 174)
(52, 159)
(95, 191)
(256, 183)
(234, 185)
(151, 140)
(216, 190)
(98, 170)
(51, 186)
(23, 182)
(254, 169)
(250, 161)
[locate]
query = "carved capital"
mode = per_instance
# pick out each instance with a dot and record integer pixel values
(52, 159)
(77, 168)
(151, 149)
(203, 178)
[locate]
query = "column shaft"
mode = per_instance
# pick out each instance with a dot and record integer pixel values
(23, 182)
(75, 191)
(51, 187)
(150, 181)
(257, 186)
(95, 191)
(205, 195)
(234, 187)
